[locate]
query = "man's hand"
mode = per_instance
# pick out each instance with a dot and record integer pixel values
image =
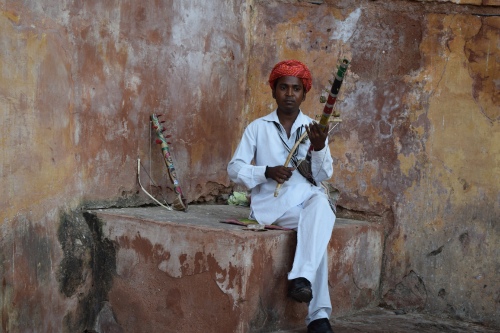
(317, 135)
(279, 173)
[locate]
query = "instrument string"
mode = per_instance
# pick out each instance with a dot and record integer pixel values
(151, 181)
(150, 140)
(139, 164)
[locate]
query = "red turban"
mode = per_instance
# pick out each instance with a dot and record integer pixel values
(291, 68)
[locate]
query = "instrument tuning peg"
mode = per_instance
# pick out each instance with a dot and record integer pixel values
(162, 121)
(155, 127)
(159, 115)
(168, 136)
(158, 141)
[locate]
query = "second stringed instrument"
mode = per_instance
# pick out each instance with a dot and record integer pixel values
(180, 202)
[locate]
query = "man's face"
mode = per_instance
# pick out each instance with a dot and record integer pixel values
(289, 93)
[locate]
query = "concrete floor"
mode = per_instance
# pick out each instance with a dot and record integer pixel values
(386, 321)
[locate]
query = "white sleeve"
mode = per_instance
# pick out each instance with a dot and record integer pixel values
(240, 168)
(322, 164)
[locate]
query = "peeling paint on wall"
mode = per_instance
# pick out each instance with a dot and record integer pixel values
(417, 149)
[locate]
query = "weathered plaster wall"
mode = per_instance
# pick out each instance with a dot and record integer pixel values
(79, 80)
(448, 229)
(419, 145)
(418, 148)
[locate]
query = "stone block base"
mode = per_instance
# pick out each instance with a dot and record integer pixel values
(187, 272)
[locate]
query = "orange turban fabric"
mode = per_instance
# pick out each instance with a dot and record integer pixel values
(291, 68)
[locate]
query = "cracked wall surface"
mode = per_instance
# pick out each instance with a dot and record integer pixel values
(418, 145)
(418, 148)
(78, 83)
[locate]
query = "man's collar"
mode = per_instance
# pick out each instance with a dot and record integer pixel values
(273, 116)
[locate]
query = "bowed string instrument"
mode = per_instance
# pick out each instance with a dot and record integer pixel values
(304, 165)
(180, 203)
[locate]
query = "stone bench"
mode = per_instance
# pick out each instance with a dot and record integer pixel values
(187, 272)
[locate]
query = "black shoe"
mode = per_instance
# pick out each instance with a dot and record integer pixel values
(300, 290)
(320, 326)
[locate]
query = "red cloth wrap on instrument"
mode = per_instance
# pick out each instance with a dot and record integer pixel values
(291, 68)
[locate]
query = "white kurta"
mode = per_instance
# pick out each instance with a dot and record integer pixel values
(261, 144)
(299, 205)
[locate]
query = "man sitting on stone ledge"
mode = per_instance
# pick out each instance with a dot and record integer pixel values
(301, 204)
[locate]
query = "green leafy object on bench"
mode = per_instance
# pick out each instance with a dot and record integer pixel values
(239, 199)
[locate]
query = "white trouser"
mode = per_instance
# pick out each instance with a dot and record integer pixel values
(313, 220)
